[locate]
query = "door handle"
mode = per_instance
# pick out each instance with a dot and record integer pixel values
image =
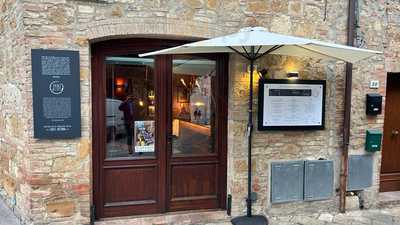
(395, 132)
(170, 137)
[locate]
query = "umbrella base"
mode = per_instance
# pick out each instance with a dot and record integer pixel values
(253, 220)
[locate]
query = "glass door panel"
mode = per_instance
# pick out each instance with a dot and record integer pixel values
(130, 107)
(193, 106)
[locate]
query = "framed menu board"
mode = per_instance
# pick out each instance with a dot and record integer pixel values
(291, 104)
(56, 94)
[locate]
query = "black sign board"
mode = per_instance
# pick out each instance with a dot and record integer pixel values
(56, 94)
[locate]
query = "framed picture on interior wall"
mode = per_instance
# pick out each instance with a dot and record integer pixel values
(182, 95)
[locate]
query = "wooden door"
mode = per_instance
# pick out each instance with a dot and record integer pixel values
(390, 169)
(197, 133)
(128, 176)
(131, 107)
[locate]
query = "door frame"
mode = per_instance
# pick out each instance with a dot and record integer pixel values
(221, 93)
(386, 178)
(102, 49)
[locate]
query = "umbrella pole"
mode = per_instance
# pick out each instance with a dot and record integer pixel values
(249, 134)
(250, 219)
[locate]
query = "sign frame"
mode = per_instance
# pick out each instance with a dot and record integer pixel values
(261, 97)
(56, 86)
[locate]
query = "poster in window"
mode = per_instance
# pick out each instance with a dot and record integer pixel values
(291, 104)
(144, 132)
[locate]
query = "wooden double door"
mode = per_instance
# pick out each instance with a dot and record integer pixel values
(390, 168)
(159, 129)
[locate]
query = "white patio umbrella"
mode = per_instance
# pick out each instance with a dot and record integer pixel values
(253, 43)
(269, 43)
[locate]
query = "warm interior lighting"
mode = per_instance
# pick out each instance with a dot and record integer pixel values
(119, 90)
(199, 103)
(151, 94)
(151, 108)
(183, 82)
(293, 75)
(119, 81)
(255, 71)
(175, 127)
(141, 103)
(291, 65)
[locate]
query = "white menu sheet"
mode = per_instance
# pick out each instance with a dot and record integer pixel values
(293, 104)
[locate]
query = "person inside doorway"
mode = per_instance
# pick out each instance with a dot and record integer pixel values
(128, 107)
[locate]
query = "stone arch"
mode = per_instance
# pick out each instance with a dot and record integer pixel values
(151, 28)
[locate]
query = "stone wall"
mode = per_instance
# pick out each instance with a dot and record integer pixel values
(13, 119)
(57, 186)
(392, 33)
(292, 145)
(60, 176)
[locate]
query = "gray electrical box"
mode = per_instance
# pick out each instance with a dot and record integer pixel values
(287, 181)
(318, 180)
(360, 172)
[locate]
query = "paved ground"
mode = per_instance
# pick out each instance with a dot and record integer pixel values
(389, 216)
(6, 216)
(364, 217)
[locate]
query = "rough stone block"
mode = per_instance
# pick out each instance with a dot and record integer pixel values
(60, 209)
(9, 185)
(352, 203)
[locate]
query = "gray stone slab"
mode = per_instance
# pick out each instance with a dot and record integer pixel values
(6, 215)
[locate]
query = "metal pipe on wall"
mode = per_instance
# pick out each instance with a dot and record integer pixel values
(347, 108)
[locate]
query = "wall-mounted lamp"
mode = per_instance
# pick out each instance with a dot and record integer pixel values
(293, 75)
(260, 73)
(263, 73)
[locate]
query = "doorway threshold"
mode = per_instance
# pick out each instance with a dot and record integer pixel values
(171, 218)
(389, 199)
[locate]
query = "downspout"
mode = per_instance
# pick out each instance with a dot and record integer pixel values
(347, 108)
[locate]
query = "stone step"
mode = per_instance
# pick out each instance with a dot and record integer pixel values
(389, 199)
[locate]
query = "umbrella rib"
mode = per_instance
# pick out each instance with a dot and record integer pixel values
(258, 50)
(248, 55)
(243, 55)
(318, 52)
(269, 51)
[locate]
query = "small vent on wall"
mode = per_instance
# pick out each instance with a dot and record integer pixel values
(287, 181)
(309, 180)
